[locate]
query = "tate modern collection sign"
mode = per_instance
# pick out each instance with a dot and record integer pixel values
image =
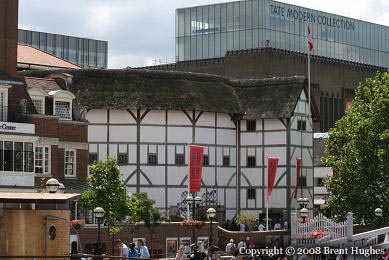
(17, 128)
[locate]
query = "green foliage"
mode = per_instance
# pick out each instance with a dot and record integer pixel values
(246, 218)
(358, 152)
(142, 210)
(107, 191)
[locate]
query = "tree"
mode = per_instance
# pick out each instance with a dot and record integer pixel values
(142, 210)
(246, 219)
(108, 191)
(358, 152)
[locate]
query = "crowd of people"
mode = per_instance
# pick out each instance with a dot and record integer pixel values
(232, 225)
(133, 251)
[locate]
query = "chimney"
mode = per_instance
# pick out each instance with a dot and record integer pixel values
(8, 35)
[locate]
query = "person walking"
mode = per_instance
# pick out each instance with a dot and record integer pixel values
(143, 251)
(122, 248)
(230, 247)
(180, 253)
(196, 253)
(236, 255)
(213, 253)
(242, 244)
(132, 252)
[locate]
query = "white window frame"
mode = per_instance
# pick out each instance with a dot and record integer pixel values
(43, 160)
(38, 94)
(4, 105)
(62, 96)
(43, 104)
(74, 175)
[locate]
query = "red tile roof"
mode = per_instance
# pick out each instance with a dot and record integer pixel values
(32, 56)
(44, 84)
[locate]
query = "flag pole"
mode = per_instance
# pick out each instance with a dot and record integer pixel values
(267, 213)
(309, 71)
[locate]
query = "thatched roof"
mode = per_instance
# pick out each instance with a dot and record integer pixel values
(150, 89)
(270, 97)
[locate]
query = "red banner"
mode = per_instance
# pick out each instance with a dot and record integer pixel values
(298, 174)
(272, 165)
(195, 167)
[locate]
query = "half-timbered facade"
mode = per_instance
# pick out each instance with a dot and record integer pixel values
(147, 119)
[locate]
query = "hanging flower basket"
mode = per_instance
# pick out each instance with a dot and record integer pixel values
(76, 224)
(188, 223)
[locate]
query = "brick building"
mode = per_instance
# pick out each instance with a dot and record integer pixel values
(41, 134)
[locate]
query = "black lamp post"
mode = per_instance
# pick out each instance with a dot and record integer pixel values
(193, 202)
(99, 213)
(303, 202)
(211, 214)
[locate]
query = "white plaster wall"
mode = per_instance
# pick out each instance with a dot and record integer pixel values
(122, 133)
(177, 174)
(178, 118)
(275, 138)
(251, 138)
(174, 195)
(226, 136)
(254, 175)
(143, 153)
(121, 117)
(156, 174)
(180, 135)
(278, 198)
(97, 133)
(155, 117)
(323, 172)
(206, 119)
(113, 150)
(132, 153)
(231, 198)
(154, 134)
(102, 152)
(273, 124)
(158, 194)
(161, 154)
(204, 135)
(224, 175)
(276, 152)
(126, 170)
(208, 176)
(224, 120)
(93, 148)
(97, 116)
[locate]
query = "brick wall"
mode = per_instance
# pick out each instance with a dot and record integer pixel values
(88, 236)
(69, 132)
(8, 35)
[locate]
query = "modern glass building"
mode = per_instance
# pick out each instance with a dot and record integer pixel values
(210, 31)
(87, 53)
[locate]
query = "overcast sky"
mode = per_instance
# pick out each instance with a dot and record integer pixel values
(140, 31)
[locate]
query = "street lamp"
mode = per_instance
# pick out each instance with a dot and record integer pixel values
(99, 213)
(303, 202)
(61, 188)
(52, 185)
(304, 214)
(211, 214)
(378, 212)
(193, 202)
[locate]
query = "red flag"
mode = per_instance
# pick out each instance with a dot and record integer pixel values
(272, 164)
(195, 167)
(310, 42)
(298, 173)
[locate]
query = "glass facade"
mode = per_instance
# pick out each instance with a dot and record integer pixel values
(210, 31)
(87, 53)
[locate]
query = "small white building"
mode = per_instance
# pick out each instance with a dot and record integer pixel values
(147, 119)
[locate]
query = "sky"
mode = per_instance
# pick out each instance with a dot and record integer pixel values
(142, 31)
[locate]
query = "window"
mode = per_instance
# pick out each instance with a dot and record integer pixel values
(42, 160)
(92, 158)
(123, 158)
(226, 160)
(206, 160)
(8, 156)
(319, 182)
(301, 125)
(62, 109)
(18, 156)
(303, 181)
(251, 161)
(70, 163)
(251, 125)
(152, 159)
(180, 159)
(38, 103)
(29, 157)
(3, 106)
(251, 194)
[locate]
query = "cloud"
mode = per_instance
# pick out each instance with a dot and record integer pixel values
(140, 31)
